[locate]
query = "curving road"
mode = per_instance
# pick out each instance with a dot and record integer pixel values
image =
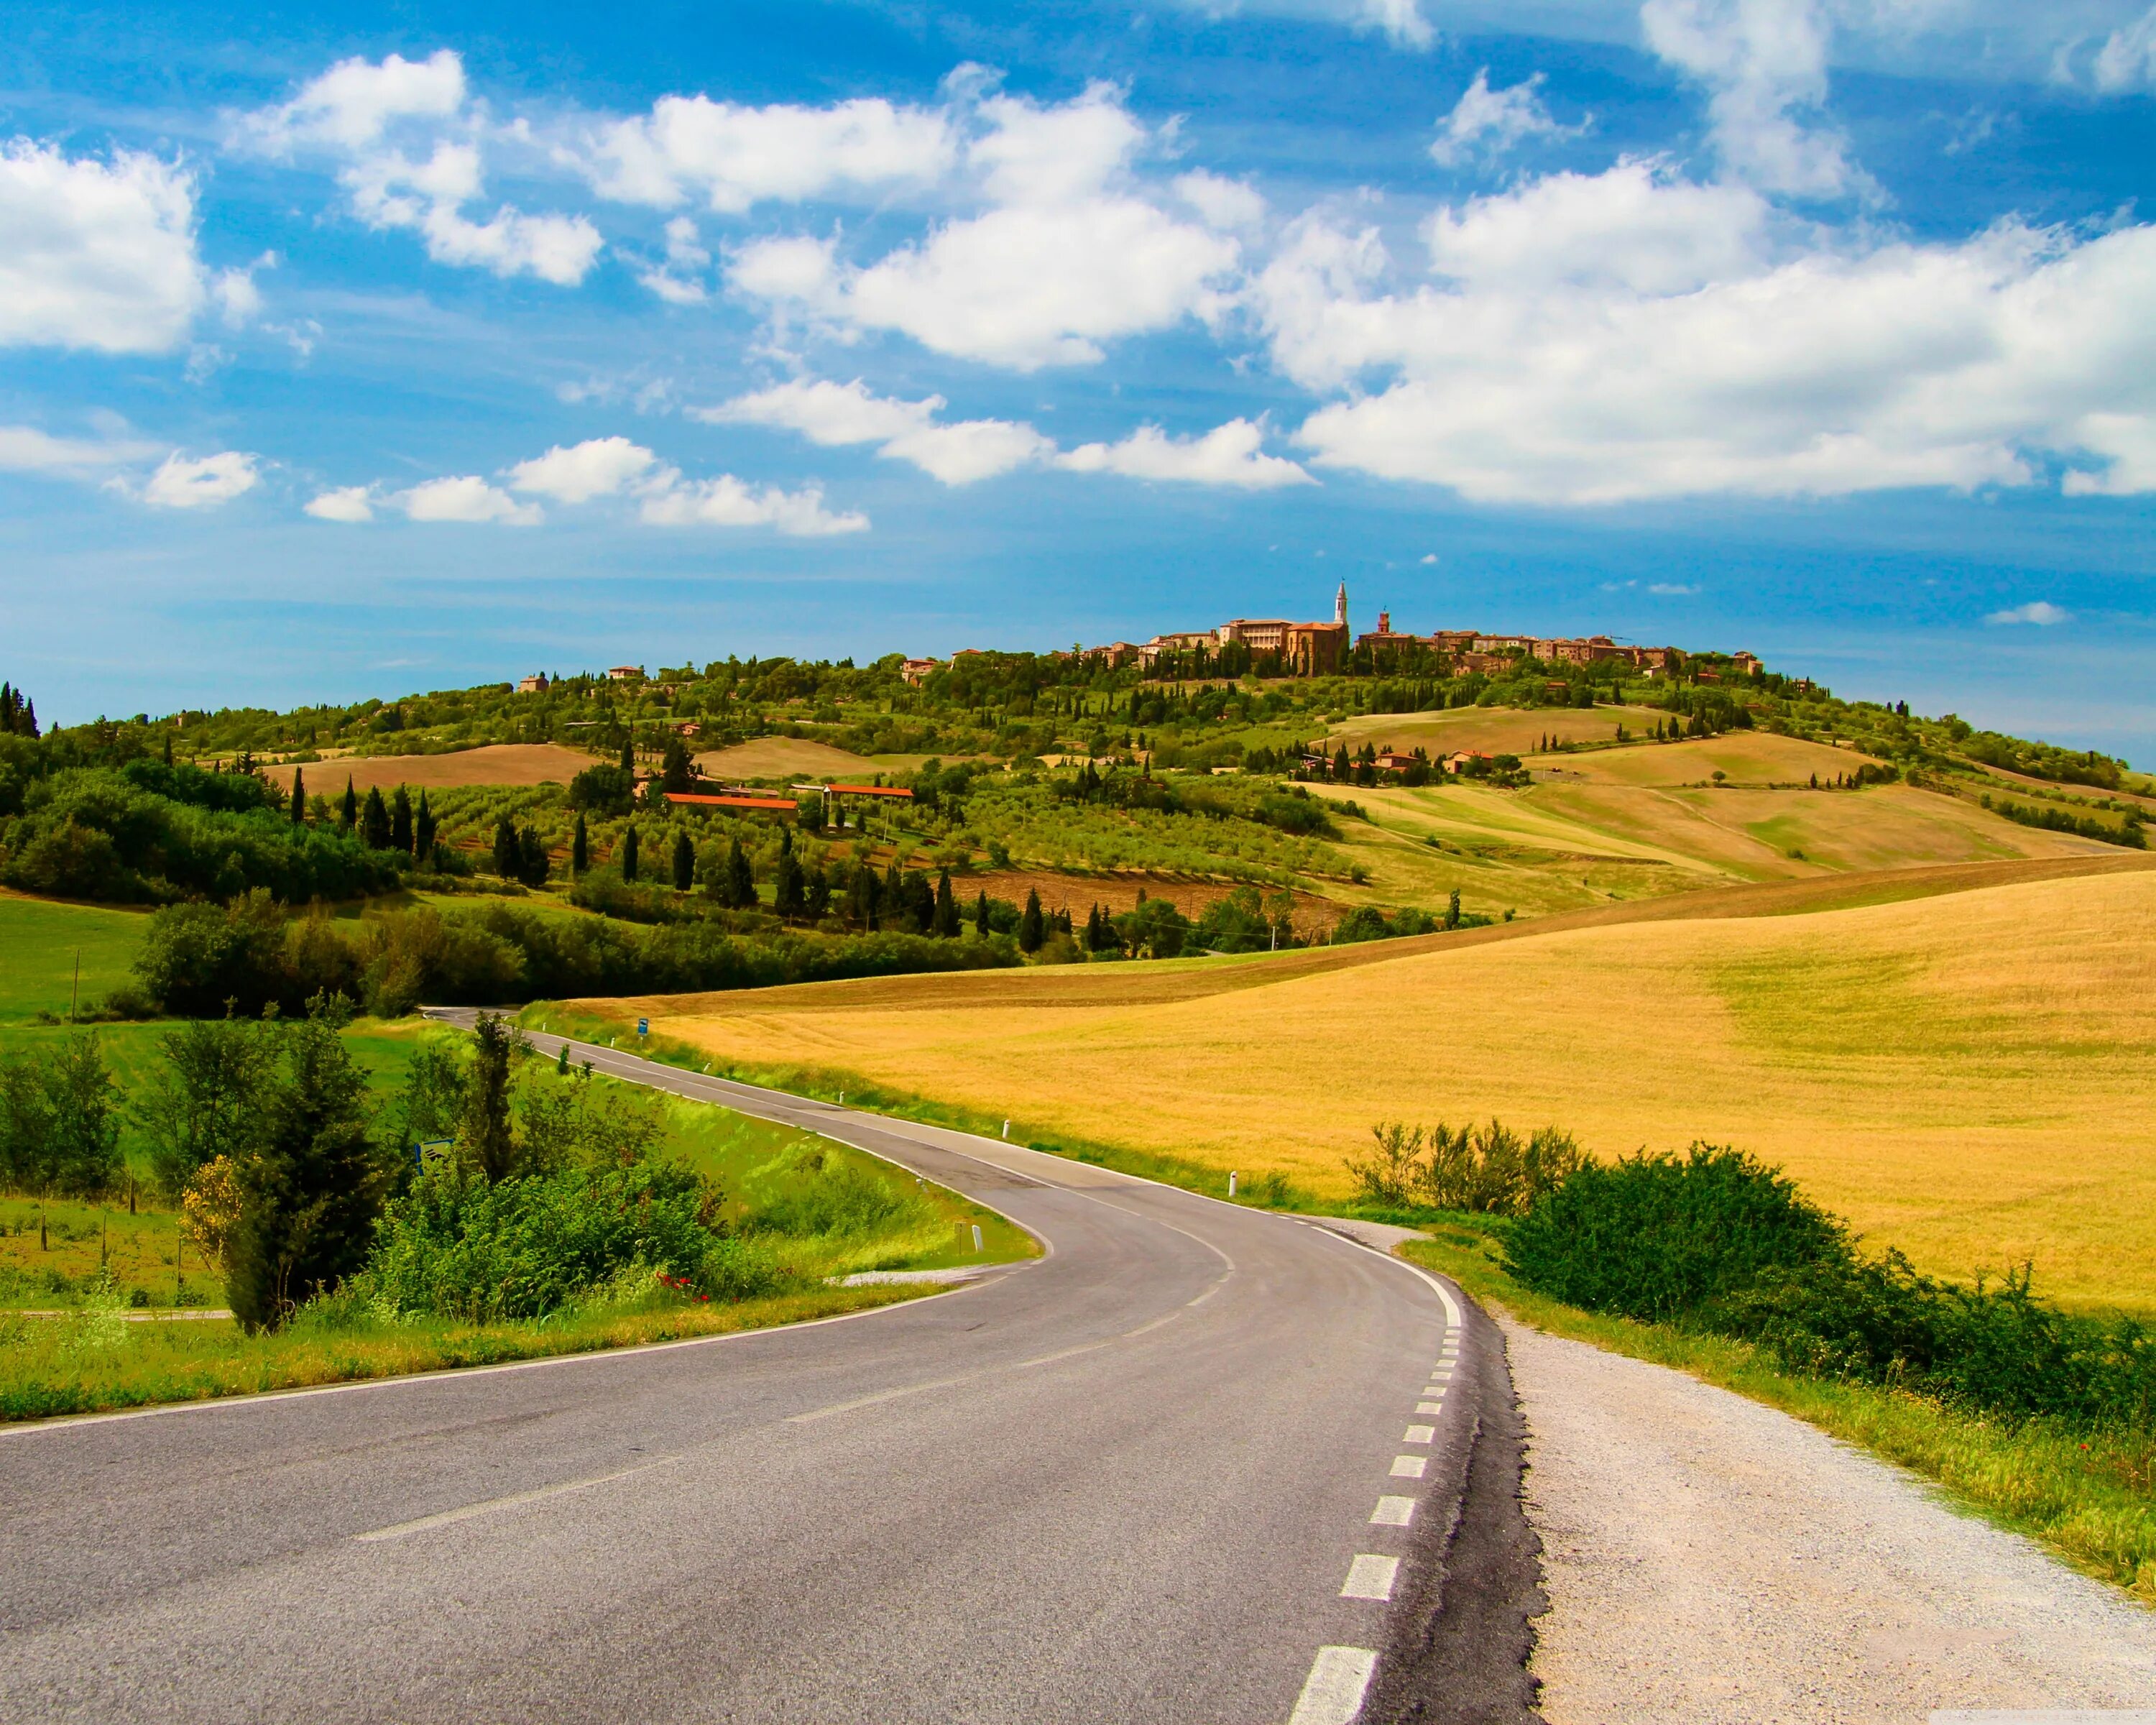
(1198, 1464)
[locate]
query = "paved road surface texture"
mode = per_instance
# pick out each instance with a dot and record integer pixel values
(1198, 1464)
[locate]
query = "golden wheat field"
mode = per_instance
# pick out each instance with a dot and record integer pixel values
(499, 763)
(1965, 1075)
(1492, 730)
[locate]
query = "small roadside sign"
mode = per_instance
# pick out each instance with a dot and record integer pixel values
(643, 1027)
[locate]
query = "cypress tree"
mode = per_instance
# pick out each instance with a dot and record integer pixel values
(483, 1139)
(580, 848)
(946, 925)
(424, 826)
(1032, 929)
(890, 902)
(374, 820)
(920, 900)
(740, 881)
(400, 821)
(789, 895)
(816, 894)
(168, 755)
(298, 787)
(508, 857)
(629, 757)
(348, 815)
(309, 1194)
(532, 864)
(685, 862)
(981, 914)
(629, 854)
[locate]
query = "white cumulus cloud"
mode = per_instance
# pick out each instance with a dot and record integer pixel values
(1691, 347)
(352, 503)
(179, 483)
(733, 156)
(1765, 63)
(1231, 455)
(96, 253)
(599, 467)
(957, 453)
(2041, 612)
(351, 104)
(406, 134)
(1491, 121)
(1068, 258)
(729, 502)
(1400, 19)
(466, 498)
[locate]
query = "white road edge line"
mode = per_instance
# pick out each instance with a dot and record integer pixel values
(1420, 1434)
(1371, 1576)
(450, 1516)
(1393, 1513)
(1332, 1693)
(1410, 1467)
(1437, 1407)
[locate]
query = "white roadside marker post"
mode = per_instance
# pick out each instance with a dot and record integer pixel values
(1006, 1129)
(1231, 1183)
(977, 1236)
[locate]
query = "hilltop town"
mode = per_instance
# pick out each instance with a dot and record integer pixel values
(1272, 646)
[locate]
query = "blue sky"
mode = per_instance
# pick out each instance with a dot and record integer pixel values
(355, 351)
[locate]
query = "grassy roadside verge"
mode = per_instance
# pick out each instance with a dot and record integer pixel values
(828, 1084)
(95, 1363)
(2090, 1496)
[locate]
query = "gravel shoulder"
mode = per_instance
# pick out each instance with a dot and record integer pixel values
(1710, 1559)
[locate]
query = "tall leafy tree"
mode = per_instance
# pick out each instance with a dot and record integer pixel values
(374, 820)
(1032, 927)
(533, 865)
(946, 923)
(685, 862)
(580, 847)
(741, 880)
(483, 1138)
(629, 754)
(206, 1100)
(309, 1192)
(919, 898)
(816, 894)
(789, 884)
(629, 854)
(677, 770)
(508, 859)
(424, 828)
(59, 1120)
(400, 822)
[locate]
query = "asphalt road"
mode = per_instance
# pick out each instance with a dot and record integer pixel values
(1198, 1463)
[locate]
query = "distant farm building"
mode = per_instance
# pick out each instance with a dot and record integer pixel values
(535, 684)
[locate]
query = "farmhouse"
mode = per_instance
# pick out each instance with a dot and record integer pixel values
(535, 684)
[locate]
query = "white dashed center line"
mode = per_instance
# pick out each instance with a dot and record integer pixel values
(1437, 1407)
(1393, 1513)
(1409, 1467)
(1371, 1576)
(1420, 1434)
(1332, 1693)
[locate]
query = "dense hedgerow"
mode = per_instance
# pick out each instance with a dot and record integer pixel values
(197, 957)
(1717, 1241)
(457, 1245)
(149, 833)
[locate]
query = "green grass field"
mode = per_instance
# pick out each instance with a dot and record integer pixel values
(40, 944)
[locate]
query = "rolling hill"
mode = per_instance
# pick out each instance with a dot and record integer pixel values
(1962, 1074)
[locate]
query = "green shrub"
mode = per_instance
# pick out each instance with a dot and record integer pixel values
(1658, 1237)
(458, 1245)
